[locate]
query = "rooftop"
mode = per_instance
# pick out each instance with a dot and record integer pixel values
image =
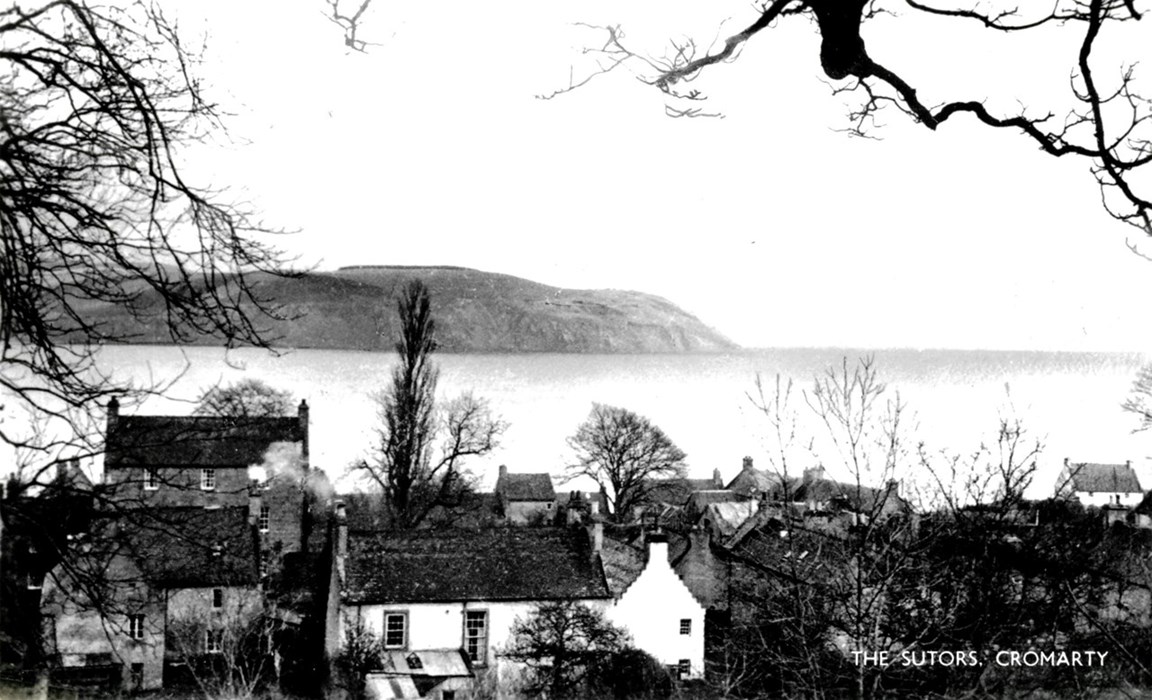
(1089, 476)
(510, 563)
(196, 440)
(525, 487)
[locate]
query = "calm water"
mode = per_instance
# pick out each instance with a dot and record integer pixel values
(1069, 400)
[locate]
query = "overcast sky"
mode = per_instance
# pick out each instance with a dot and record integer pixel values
(432, 148)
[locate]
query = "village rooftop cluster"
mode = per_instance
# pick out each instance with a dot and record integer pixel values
(178, 562)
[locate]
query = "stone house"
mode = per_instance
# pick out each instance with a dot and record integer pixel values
(455, 590)
(757, 483)
(164, 461)
(1100, 485)
(257, 463)
(149, 590)
(525, 498)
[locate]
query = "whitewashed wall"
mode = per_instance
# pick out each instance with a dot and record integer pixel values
(651, 610)
(441, 625)
(1103, 498)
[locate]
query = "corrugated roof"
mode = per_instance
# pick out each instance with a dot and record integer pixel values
(196, 440)
(526, 487)
(430, 662)
(1118, 478)
(511, 563)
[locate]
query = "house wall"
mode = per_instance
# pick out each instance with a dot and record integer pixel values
(190, 613)
(179, 486)
(1103, 498)
(76, 634)
(441, 625)
(521, 512)
(285, 500)
(651, 610)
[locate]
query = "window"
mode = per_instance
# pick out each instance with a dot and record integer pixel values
(395, 630)
(476, 636)
(447, 695)
(686, 626)
(137, 681)
(414, 662)
(217, 597)
(208, 479)
(684, 668)
(213, 641)
(151, 478)
(136, 626)
(265, 516)
(32, 582)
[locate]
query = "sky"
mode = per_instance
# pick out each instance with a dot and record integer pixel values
(432, 148)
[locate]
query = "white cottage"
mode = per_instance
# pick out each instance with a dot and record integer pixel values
(455, 591)
(663, 616)
(1100, 484)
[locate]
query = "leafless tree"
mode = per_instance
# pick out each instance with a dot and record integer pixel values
(1139, 401)
(623, 451)
(561, 643)
(247, 398)
(349, 16)
(227, 653)
(1109, 126)
(413, 474)
(96, 209)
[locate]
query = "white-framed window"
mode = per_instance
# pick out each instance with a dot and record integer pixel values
(151, 478)
(395, 630)
(217, 597)
(213, 641)
(684, 667)
(476, 636)
(686, 626)
(265, 516)
(208, 479)
(136, 626)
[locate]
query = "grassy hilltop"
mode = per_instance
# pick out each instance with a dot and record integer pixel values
(354, 308)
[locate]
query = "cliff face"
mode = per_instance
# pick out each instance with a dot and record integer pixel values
(355, 309)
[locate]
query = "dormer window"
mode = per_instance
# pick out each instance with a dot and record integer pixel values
(208, 479)
(151, 478)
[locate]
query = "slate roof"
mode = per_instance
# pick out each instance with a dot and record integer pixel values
(728, 517)
(1118, 478)
(756, 481)
(526, 487)
(191, 547)
(511, 563)
(196, 440)
(675, 492)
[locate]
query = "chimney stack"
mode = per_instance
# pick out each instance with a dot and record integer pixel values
(812, 474)
(717, 480)
(113, 415)
(658, 549)
(503, 470)
(341, 537)
(302, 417)
(747, 464)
